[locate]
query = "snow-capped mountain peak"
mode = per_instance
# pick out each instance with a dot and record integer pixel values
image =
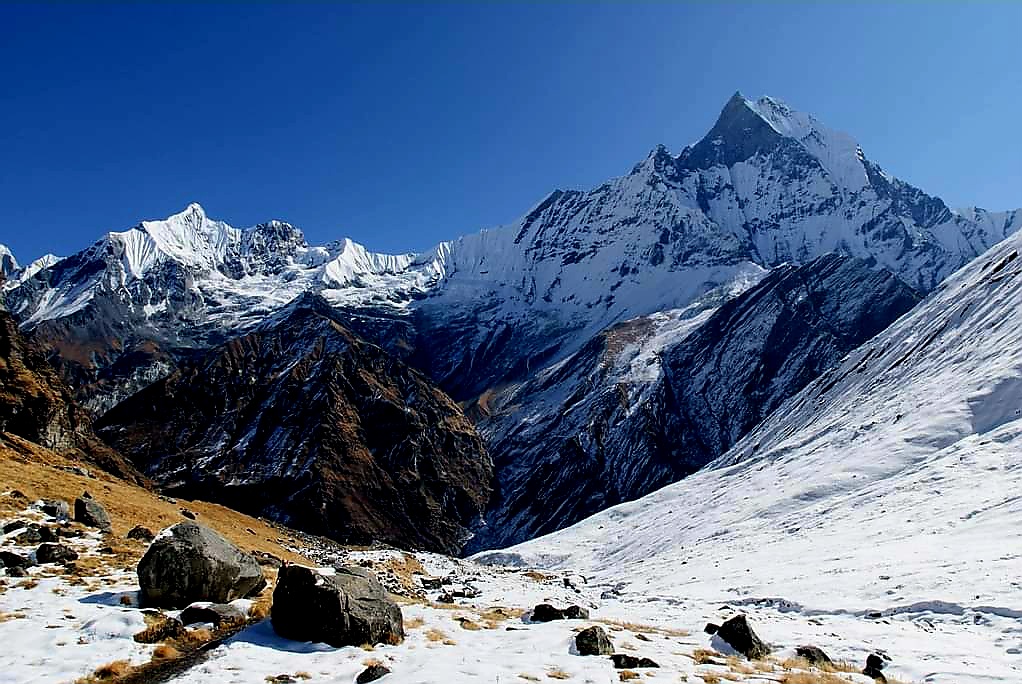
(8, 264)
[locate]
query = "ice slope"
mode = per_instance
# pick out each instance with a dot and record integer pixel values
(888, 489)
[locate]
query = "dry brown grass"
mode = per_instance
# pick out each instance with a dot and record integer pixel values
(467, 623)
(37, 473)
(709, 678)
(537, 576)
(495, 616)
(639, 628)
(27, 584)
(704, 656)
(413, 622)
(165, 652)
(114, 670)
(435, 635)
(558, 673)
(815, 677)
(5, 617)
(626, 675)
(528, 677)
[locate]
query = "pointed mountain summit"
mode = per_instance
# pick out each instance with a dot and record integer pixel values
(8, 264)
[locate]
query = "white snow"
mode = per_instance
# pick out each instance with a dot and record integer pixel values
(883, 500)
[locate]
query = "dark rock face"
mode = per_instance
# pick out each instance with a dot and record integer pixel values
(55, 553)
(140, 533)
(373, 450)
(90, 512)
(36, 405)
(372, 673)
(711, 628)
(593, 641)
(215, 613)
(814, 655)
(347, 608)
(596, 436)
(624, 661)
(189, 562)
(545, 612)
(739, 635)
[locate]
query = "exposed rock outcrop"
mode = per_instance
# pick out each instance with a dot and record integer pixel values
(307, 423)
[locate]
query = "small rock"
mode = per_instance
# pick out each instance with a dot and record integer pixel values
(17, 571)
(91, 513)
(14, 560)
(13, 525)
(711, 628)
(140, 533)
(161, 626)
(545, 612)
(55, 553)
(346, 608)
(267, 560)
(593, 642)
(188, 514)
(372, 673)
(30, 535)
(739, 635)
(216, 613)
(874, 665)
(642, 637)
(69, 532)
(814, 655)
(56, 508)
(430, 582)
(624, 661)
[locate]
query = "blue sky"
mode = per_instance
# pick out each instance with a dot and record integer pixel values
(403, 124)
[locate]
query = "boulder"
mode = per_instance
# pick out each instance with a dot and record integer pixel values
(17, 571)
(216, 613)
(711, 628)
(56, 508)
(874, 665)
(140, 533)
(13, 525)
(372, 673)
(623, 661)
(814, 655)
(29, 535)
(343, 607)
(593, 642)
(738, 634)
(545, 612)
(14, 560)
(91, 513)
(55, 553)
(188, 562)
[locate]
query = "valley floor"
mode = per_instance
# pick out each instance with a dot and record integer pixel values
(57, 626)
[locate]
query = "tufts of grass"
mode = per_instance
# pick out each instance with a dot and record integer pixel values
(557, 673)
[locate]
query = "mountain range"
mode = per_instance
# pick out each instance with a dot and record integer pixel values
(608, 343)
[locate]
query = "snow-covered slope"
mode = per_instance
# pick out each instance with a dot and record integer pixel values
(656, 398)
(887, 490)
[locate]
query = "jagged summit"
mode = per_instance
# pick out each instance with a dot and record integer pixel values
(8, 264)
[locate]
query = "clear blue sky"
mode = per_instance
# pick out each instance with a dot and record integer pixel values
(404, 124)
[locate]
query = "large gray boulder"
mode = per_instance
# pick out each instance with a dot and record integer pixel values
(343, 607)
(90, 512)
(189, 562)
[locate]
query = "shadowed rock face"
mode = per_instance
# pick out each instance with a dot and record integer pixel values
(586, 437)
(36, 405)
(304, 422)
